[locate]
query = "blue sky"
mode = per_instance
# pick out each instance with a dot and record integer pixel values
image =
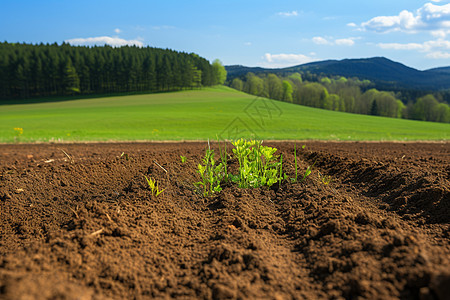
(264, 33)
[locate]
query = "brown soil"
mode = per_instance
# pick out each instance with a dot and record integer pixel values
(89, 228)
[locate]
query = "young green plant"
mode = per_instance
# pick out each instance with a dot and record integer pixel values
(224, 159)
(183, 159)
(295, 164)
(125, 155)
(295, 179)
(308, 171)
(153, 186)
(325, 179)
(258, 165)
(212, 174)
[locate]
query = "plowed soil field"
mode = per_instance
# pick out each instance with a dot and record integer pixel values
(78, 221)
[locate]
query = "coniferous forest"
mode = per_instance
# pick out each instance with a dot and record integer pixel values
(28, 71)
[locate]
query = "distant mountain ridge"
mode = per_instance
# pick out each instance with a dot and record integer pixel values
(441, 70)
(383, 72)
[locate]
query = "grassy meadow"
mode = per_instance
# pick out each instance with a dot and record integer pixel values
(197, 115)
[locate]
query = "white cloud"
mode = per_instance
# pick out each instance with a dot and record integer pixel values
(320, 40)
(247, 43)
(404, 21)
(327, 41)
(117, 30)
(293, 13)
(429, 17)
(102, 40)
(398, 46)
(428, 46)
(344, 42)
(285, 60)
(438, 55)
(436, 49)
(440, 43)
(352, 25)
(440, 33)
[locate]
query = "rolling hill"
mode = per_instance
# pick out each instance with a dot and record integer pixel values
(385, 73)
(197, 115)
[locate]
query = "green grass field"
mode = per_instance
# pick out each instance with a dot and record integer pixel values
(198, 115)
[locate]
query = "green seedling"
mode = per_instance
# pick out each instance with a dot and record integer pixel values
(308, 171)
(212, 174)
(258, 165)
(295, 163)
(224, 159)
(153, 186)
(183, 159)
(125, 155)
(325, 179)
(281, 175)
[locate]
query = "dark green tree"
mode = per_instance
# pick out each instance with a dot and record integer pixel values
(374, 108)
(71, 81)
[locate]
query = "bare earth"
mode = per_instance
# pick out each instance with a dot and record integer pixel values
(89, 228)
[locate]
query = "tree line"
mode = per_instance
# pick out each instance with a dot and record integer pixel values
(341, 94)
(28, 70)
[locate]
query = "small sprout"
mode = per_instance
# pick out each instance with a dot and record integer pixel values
(211, 173)
(295, 163)
(281, 170)
(183, 159)
(325, 179)
(127, 157)
(224, 159)
(153, 186)
(308, 171)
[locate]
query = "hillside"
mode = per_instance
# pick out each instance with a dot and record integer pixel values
(440, 70)
(385, 73)
(198, 115)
